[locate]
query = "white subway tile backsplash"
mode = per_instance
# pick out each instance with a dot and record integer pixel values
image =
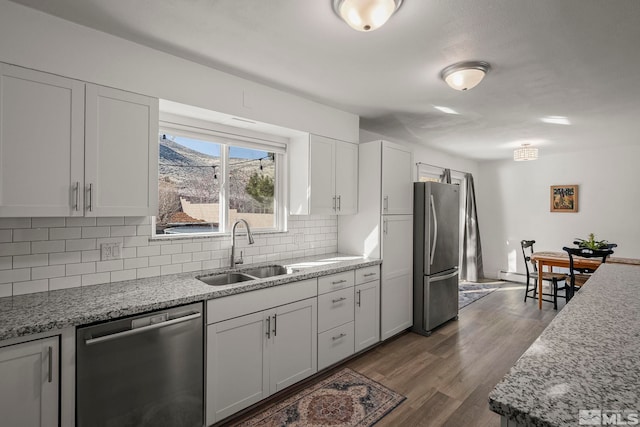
(30, 287)
(65, 282)
(15, 222)
(65, 258)
(47, 222)
(30, 234)
(47, 272)
(65, 233)
(82, 268)
(81, 222)
(117, 220)
(24, 261)
(55, 247)
(94, 279)
(48, 246)
(81, 244)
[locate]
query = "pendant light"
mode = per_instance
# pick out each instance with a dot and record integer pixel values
(365, 15)
(465, 75)
(525, 153)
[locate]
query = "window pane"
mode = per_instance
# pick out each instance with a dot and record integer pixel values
(189, 187)
(252, 177)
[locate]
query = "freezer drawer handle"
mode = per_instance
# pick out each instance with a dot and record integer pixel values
(448, 276)
(338, 282)
(337, 300)
(142, 329)
(342, 335)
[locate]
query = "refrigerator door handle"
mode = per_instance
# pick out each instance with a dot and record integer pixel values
(432, 204)
(445, 277)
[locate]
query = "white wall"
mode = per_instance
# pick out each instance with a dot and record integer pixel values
(513, 204)
(33, 39)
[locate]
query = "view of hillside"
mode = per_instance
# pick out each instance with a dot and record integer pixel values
(194, 176)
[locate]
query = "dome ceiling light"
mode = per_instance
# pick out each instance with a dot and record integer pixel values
(365, 15)
(465, 75)
(525, 153)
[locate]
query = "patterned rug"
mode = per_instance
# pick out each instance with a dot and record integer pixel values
(471, 291)
(345, 399)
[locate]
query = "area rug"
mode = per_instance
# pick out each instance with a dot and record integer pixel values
(469, 292)
(344, 399)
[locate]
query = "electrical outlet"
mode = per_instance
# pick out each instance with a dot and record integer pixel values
(110, 251)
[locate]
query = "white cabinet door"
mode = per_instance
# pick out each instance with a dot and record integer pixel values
(397, 275)
(322, 175)
(29, 385)
(346, 156)
(367, 316)
(237, 364)
(397, 179)
(293, 346)
(41, 143)
(121, 153)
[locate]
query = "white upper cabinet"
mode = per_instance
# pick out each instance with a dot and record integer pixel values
(121, 154)
(323, 177)
(397, 180)
(64, 154)
(41, 143)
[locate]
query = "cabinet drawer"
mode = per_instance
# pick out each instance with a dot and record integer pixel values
(334, 345)
(335, 282)
(335, 308)
(367, 274)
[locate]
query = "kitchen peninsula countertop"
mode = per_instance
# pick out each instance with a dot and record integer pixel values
(44, 311)
(588, 358)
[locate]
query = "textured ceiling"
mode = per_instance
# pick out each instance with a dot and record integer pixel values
(573, 58)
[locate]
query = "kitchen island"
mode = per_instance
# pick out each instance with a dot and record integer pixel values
(587, 359)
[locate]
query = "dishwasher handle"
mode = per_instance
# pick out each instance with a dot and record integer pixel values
(142, 329)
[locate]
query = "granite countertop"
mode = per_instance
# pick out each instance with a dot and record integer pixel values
(40, 312)
(588, 358)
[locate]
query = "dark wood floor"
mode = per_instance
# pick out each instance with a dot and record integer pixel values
(447, 377)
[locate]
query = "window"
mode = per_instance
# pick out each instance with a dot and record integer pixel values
(206, 182)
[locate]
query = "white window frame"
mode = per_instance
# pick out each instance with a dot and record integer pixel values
(206, 131)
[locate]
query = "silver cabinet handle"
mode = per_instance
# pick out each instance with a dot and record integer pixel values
(76, 192)
(337, 337)
(142, 329)
(337, 300)
(386, 203)
(358, 292)
(50, 364)
(339, 203)
(338, 282)
(334, 203)
(90, 205)
(370, 274)
(275, 324)
(269, 327)
(384, 226)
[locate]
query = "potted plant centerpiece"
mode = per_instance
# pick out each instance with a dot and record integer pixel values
(592, 243)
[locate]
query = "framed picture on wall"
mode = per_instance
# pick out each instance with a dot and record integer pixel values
(564, 198)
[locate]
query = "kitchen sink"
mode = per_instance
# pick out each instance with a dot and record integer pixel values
(266, 271)
(225, 279)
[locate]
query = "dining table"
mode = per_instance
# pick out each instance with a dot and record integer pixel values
(552, 259)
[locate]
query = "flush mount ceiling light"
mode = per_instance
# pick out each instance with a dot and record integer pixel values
(365, 15)
(525, 153)
(465, 75)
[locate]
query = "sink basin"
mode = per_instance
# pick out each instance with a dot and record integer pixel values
(266, 271)
(225, 279)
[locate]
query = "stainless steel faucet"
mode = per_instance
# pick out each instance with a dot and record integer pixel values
(233, 241)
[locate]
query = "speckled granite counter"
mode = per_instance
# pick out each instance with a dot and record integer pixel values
(587, 358)
(44, 311)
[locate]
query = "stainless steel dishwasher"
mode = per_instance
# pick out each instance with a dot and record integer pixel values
(144, 370)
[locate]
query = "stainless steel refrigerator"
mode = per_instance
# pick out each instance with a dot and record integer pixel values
(436, 228)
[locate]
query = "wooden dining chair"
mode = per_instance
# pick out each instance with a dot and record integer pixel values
(547, 276)
(578, 276)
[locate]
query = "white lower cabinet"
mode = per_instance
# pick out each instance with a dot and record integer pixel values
(335, 344)
(30, 383)
(255, 355)
(367, 315)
